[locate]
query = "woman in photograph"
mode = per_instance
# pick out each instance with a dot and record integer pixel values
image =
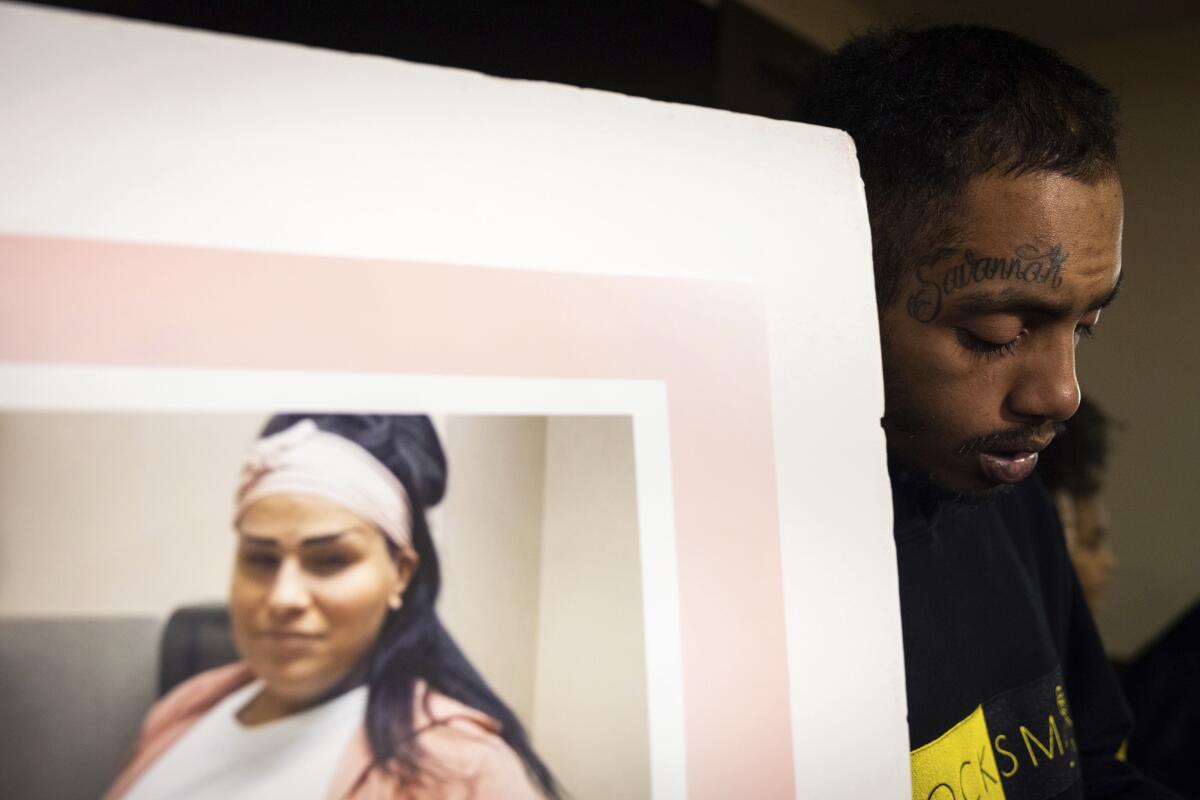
(348, 687)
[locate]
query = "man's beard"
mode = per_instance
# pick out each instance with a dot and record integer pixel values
(917, 478)
(903, 423)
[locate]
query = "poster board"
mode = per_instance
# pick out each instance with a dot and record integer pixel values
(174, 219)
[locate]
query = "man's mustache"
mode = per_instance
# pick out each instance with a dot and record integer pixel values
(1023, 439)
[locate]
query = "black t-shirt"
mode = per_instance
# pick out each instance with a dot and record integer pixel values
(1010, 694)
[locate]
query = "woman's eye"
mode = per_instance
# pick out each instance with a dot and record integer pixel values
(260, 560)
(326, 564)
(985, 346)
(1085, 331)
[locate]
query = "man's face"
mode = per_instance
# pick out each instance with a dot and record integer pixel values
(979, 350)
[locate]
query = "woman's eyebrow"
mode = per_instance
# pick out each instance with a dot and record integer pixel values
(325, 538)
(260, 541)
(309, 541)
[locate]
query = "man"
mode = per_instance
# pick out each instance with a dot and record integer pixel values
(1072, 469)
(995, 205)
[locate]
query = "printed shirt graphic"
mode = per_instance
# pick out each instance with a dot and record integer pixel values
(1020, 744)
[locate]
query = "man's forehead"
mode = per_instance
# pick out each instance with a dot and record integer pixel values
(994, 198)
(1043, 209)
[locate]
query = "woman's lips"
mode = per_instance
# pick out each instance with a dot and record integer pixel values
(288, 641)
(1008, 467)
(288, 636)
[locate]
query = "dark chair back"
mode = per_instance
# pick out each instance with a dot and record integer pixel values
(196, 638)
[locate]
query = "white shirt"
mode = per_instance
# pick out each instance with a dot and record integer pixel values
(293, 757)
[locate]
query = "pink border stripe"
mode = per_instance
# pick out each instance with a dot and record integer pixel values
(66, 301)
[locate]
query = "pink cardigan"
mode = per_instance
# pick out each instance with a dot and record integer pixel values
(465, 757)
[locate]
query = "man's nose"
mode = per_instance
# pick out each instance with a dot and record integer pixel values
(1046, 387)
(289, 593)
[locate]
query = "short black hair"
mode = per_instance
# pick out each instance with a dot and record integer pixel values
(931, 108)
(1074, 462)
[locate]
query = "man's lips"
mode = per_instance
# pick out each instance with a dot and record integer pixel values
(1011, 462)
(1007, 467)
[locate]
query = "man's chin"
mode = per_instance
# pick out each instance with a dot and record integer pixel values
(982, 496)
(962, 485)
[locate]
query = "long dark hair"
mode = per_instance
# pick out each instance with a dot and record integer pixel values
(413, 644)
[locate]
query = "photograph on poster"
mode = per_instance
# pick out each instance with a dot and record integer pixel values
(122, 520)
(227, 331)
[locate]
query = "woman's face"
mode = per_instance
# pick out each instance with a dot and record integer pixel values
(312, 585)
(1085, 525)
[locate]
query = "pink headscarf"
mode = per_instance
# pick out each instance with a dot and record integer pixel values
(307, 460)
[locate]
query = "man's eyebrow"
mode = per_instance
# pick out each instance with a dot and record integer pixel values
(1108, 301)
(1014, 301)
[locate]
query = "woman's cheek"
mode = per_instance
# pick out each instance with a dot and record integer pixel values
(354, 606)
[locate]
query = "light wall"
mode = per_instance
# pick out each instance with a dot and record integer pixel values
(489, 538)
(116, 514)
(1144, 368)
(590, 715)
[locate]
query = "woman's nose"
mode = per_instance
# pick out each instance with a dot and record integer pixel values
(289, 592)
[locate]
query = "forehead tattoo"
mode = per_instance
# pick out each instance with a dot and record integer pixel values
(1026, 265)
